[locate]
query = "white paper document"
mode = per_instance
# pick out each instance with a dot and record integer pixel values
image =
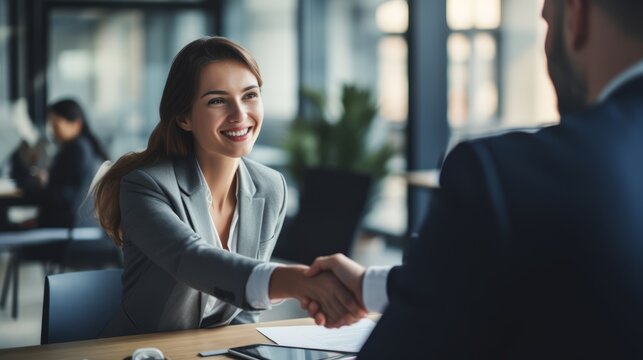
(347, 338)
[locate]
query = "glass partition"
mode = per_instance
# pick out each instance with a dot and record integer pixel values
(497, 76)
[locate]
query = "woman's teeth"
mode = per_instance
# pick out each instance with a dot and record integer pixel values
(236, 133)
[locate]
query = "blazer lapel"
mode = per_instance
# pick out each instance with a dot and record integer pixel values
(250, 214)
(193, 194)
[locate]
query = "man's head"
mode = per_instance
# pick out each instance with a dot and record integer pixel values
(585, 45)
(627, 15)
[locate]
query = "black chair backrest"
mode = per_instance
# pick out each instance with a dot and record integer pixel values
(331, 207)
(78, 305)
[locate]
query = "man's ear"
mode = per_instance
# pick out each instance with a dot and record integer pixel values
(184, 123)
(576, 23)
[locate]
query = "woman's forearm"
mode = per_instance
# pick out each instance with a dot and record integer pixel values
(286, 281)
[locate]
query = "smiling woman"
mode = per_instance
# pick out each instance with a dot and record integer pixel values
(197, 221)
(226, 119)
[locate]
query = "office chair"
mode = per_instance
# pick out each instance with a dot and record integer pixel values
(58, 249)
(77, 306)
(331, 206)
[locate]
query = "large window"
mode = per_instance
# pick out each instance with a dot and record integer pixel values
(366, 46)
(497, 70)
(389, 214)
(269, 30)
(528, 97)
(473, 76)
(115, 62)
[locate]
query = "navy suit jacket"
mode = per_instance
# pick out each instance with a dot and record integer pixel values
(532, 249)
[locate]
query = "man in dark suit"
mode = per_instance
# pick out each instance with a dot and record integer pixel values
(533, 245)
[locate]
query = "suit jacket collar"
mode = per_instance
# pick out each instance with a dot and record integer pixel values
(632, 87)
(624, 79)
(189, 179)
(187, 175)
(250, 205)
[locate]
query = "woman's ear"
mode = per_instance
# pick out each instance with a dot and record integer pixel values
(184, 123)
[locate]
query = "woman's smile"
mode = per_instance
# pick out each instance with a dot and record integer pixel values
(238, 134)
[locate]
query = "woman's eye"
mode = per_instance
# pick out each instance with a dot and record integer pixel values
(251, 95)
(215, 101)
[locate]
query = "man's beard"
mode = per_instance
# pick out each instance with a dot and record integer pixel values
(571, 89)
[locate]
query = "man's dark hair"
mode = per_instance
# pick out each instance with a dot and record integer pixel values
(627, 14)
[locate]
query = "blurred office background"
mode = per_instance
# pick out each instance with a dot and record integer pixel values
(440, 71)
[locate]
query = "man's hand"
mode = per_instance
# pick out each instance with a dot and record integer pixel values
(350, 273)
(326, 291)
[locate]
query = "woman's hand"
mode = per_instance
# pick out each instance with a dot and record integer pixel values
(350, 273)
(337, 303)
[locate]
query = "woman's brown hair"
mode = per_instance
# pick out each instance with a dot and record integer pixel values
(167, 140)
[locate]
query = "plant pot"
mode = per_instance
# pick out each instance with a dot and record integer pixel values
(331, 207)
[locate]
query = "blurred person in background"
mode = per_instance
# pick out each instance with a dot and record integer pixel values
(61, 190)
(63, 200)
(79, 156)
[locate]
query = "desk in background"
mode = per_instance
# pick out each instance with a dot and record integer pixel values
(175, 345)
(10, 198)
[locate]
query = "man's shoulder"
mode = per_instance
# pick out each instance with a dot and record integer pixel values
(509, 143)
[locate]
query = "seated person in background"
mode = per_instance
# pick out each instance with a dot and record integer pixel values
(74, 165)
(196, 220)
(60, 191)
(64, 200)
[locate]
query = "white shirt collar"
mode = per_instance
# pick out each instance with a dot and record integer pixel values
(208, 193)
(232, 236)
(627, 75)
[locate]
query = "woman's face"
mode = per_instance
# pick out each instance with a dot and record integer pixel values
(227, 110)
(63, 129)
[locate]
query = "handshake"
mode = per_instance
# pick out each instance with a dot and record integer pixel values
(330, 289)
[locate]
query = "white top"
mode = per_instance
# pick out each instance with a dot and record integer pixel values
(374, 286)
(259, 280)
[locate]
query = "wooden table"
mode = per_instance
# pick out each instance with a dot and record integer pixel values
(175, 345)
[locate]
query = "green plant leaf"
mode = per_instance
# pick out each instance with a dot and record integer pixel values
(315, 141)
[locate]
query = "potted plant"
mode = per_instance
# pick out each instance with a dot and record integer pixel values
(335, 169)
(317, 141)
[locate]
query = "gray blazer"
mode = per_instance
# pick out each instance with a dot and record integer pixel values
(170, 262)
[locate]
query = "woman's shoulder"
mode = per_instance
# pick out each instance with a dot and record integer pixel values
(159, 170)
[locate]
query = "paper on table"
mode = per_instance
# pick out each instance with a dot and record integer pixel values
(347, 338)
